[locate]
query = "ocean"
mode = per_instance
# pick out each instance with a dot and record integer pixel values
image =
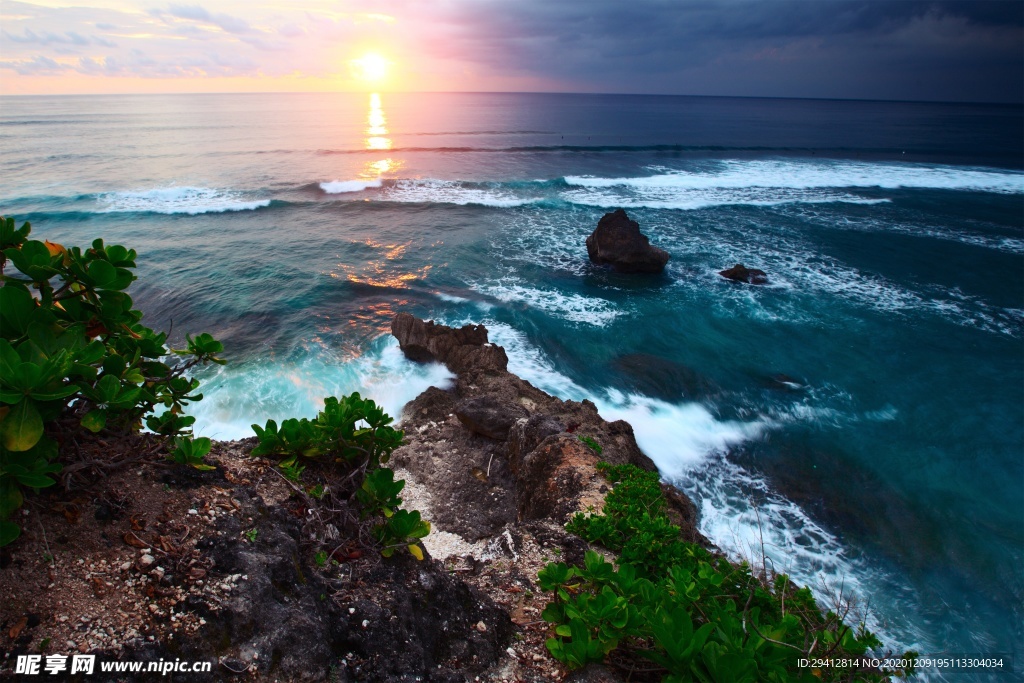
(859, 420)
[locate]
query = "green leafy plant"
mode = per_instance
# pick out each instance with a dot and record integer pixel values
(320, 558)
(191, 452)
(250, 535)
(684, 612)
(355, 434)
(292, 471)
(591, 443)
(74, 354)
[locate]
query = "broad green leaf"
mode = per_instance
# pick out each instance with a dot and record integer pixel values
(102, 273)
(95, 420)
(23, 427)
(16, 308)
(9, 532)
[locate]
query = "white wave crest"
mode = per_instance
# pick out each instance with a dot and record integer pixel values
(341, 186)
(803, 175)
(429, 190)
(572, 307)
(774, 183)
(174, 200)
(235, 397)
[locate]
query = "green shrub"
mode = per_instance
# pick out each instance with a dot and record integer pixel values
(356, 434)
(690, 615)
(74, 354)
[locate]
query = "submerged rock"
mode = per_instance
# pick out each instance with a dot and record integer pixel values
(618, 242)
(740, 273)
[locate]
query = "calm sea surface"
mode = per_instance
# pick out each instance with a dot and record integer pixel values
(863, 413)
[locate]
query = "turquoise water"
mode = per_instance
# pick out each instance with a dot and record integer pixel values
(863, 414)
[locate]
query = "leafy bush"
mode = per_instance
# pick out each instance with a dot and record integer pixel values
(355, 433)
(73, 353)
(690, 615)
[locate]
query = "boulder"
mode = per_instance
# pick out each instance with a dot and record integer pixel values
(740, 273)
(618, 242)
(464, 349)
(488, 416)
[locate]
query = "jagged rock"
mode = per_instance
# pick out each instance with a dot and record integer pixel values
(740, 273)
(461, 349)
(554, 480)
(278, 623)
(618, 242)
(527, 434)
(488, 416)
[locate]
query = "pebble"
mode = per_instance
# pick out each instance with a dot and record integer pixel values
(351, 610)
(365, 623)
(481, 626)
(153, 607)
(72, 644)
(146, 561)
(126, 566)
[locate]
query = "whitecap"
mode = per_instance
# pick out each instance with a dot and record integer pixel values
(179, 200)
(236, 396)
(342, 186)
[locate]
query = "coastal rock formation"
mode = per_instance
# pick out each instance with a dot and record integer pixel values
(618, 242)
(459, 349)
(740, 273)
(485, 469)
(489, 417)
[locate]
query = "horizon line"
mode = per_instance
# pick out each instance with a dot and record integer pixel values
(515, 92)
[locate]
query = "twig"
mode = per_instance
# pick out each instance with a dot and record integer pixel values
(46, 543)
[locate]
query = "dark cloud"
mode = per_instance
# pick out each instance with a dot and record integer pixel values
(904, 49)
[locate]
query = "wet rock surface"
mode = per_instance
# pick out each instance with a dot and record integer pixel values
(618, 242)
(740, 273)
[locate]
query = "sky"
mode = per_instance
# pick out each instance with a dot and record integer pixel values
(967, 50)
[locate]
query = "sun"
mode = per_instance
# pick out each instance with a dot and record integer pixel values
(370, 67)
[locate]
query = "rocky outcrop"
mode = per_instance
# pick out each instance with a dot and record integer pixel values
(489, 417)
(740, 273)
(498, 450)
(618, 242)
(460, 349)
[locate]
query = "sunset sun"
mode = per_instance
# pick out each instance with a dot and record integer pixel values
(371, 67)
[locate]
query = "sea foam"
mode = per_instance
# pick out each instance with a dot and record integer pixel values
(236, 396)
(776, 183)
(735, 174)
(342, 186)
(178, 200)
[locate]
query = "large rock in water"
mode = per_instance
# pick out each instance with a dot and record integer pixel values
(460, 349)
(740, 273)
(618, 242)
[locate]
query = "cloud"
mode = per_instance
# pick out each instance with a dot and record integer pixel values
(225, 22)
(910, 49)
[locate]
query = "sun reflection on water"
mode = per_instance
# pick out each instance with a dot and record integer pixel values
(377, 125)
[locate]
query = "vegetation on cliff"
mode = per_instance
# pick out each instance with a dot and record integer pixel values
(75, 355)
(672, 608)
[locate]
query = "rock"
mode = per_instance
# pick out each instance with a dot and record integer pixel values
(618, 242)
(490, 417)
(461, 349)
(740, 273)
(553, 479)
(527, 434)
